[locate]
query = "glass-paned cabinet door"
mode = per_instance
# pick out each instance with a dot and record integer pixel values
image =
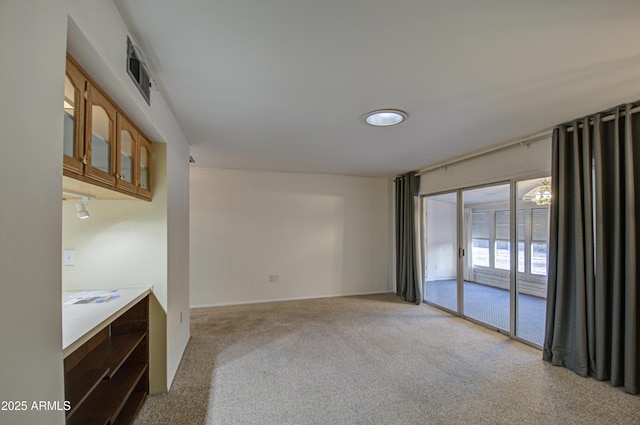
(73, 116)
(100, 137)
(144, 167)
(127, 147)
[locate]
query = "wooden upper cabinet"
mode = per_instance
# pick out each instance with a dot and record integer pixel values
(144, 173)
(99, 136)
(102, 147)
(126, 154)
(75, 84)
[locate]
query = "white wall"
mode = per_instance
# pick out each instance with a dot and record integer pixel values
(526, 161)
(441, 240)
(178, 253)
(122, 245)
(32, 47)
(322, 235)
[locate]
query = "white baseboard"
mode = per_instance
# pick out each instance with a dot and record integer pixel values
(288, 299)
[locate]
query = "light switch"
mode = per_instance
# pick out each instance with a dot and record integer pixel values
(69, 257)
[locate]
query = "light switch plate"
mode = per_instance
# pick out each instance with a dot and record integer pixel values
(69, 257)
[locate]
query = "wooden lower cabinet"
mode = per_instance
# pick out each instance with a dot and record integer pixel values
(107, 378)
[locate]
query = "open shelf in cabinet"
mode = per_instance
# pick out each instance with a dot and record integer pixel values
(107, 377)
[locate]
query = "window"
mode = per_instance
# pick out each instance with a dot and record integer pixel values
(502, 255)
(521, 260)
(480, 234)
(480, 252)
(502, 243)
(521, 232)
(491, 238)
(539, 246)
(539, 258)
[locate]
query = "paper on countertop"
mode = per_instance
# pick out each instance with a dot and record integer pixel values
(93, 297)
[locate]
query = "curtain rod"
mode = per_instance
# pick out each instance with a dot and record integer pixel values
(522, 142)
(606, 118)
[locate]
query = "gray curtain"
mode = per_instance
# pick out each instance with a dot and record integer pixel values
(407, 280)
(592, 307)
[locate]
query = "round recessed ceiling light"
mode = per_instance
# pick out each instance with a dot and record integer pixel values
(385, 117)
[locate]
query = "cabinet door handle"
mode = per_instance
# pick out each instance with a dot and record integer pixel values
(85, 161)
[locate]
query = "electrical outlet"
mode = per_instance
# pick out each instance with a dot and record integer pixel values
(273, 278)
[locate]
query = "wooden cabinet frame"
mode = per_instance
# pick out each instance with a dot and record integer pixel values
(75, 164)
(143, 143)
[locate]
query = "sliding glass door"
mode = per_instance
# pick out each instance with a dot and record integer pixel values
(441, 250)
(487, 265)
(485, 255)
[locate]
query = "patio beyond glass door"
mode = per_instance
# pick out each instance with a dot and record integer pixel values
(487, 263)
(440, 239)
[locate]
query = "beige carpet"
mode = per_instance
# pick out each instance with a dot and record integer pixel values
(370, 360)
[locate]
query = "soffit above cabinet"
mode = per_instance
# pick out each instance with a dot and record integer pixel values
(75, 189)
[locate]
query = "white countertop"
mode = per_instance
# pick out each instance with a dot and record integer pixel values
(82, 321)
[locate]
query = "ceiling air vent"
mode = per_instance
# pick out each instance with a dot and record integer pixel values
(138, 71)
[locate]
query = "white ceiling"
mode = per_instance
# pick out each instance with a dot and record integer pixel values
(283, 84)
